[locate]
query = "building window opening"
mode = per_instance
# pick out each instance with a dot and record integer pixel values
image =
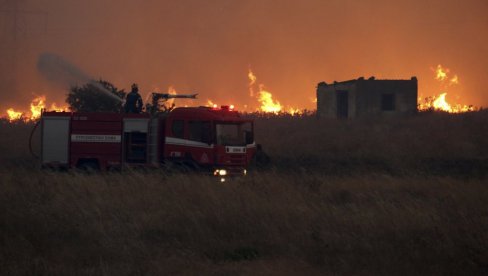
(388, 102)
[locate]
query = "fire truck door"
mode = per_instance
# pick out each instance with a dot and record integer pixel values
(135, 140)
(55, 140)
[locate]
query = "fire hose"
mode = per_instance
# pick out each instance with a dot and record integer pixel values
(30, 140)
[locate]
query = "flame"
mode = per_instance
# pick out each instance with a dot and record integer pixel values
(267, 102)
(252, 81)
(294, 111)
(13, 115)
(37, 105)
(454, 80)
(439, 102)
(210, 103)
(265, 98)
(55, 107)
(171, 90)
(441, 73)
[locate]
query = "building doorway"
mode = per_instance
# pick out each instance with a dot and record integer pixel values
(342, 104)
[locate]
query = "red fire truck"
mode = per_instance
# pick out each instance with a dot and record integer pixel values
(219, 140)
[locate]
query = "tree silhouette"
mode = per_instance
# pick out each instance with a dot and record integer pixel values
(95, 97)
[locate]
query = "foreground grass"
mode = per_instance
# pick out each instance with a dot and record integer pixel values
(429, 143)
(384, 196)
(268, 223)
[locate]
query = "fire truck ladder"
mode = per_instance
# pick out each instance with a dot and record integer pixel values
(153, 141)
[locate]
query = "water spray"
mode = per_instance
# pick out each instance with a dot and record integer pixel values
(59, 71)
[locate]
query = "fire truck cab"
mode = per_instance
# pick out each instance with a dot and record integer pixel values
(218, 140)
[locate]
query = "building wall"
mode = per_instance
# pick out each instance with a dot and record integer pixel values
(327, 99)
(368, 98)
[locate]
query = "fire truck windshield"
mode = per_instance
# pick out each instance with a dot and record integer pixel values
(234, 134)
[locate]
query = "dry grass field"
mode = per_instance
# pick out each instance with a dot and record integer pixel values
(404, 196)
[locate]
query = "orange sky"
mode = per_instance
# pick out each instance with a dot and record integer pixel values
(208, 46)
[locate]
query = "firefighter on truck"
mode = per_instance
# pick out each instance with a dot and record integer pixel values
(133, 101)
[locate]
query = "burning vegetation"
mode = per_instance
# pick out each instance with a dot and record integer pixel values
(36, 106)
(263, 100)
(439, 102)
(264, 97)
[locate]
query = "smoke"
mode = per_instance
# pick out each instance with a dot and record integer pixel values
(61, 72)
(208, 46)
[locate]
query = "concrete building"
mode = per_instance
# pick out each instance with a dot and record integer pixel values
(366, 98)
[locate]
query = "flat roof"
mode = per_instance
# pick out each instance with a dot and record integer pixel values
(371, 79)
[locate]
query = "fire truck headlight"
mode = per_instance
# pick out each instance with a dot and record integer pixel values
(220, 172)
(244, 172)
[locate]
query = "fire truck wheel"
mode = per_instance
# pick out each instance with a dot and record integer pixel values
(88, 165)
